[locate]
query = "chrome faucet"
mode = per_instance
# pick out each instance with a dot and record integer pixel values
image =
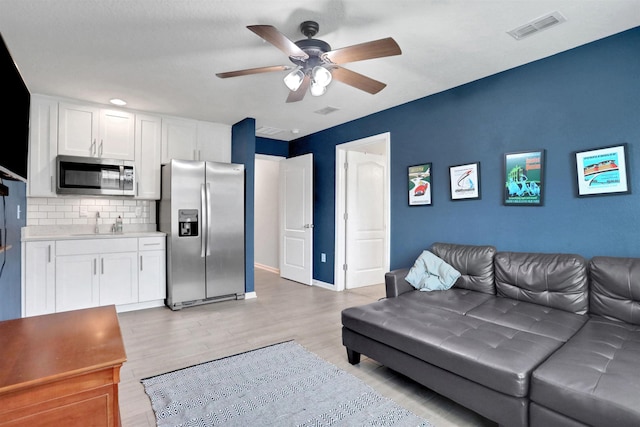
(97, 229)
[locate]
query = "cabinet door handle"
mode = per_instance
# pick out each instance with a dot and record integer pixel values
(101, 265)
(51, 184)
(140, 262)
(49, 254)
(100, 152)
(93, 148)
(95, 267)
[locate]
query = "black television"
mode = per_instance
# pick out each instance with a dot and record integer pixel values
(15, 119)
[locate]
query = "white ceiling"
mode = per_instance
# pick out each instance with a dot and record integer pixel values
(162, 55)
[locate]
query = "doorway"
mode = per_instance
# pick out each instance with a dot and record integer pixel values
(362, 212)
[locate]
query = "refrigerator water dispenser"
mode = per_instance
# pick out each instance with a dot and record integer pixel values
(187, 222)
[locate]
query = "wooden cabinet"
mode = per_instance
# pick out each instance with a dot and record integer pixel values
(151, 269)
(61, 369)
(40, 278)
(94, 272)
(89, 131)
(43, 146)
(195, 140)
(148, 155)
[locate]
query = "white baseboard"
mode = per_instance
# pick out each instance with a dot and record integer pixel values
(267, 267)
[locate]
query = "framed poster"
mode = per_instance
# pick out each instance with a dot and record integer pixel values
(602, 171)
(464, 181)
(420, 184)
(524, 178)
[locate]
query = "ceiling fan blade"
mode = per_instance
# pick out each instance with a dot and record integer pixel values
(249, 71)
(279, 40)
(369, 50)
(357, 80)
(298, 95)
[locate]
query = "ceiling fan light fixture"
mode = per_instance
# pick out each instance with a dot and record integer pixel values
(317, 90)
(294, 79)
(321, 76)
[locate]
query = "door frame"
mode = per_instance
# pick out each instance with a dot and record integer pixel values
(340, 202)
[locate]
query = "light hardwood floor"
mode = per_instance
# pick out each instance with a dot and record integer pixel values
(159, 340)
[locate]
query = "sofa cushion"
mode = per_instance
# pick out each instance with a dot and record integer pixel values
(492, 355)
(457, 300)
(534, 318)
(615, 288)
(594, 378)
(431, 273)
(554, 280)
(475, 263)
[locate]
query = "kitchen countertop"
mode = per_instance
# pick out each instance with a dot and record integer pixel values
(33, 234)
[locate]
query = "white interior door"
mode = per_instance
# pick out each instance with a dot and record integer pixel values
(296, 222)
(365, 220)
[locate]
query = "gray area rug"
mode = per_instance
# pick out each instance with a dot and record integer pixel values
(279, 385)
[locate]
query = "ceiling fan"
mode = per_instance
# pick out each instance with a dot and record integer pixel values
(316, 64)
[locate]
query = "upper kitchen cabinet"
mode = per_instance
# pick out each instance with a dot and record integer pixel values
(43, 146)
(195, 140)
(88, 131)
(179, 139)
(148, 146)
(214, 142)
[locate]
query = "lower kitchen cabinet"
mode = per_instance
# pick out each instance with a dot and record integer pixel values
(152, 269)
(95, 272)
(69, 274)
(40, 278)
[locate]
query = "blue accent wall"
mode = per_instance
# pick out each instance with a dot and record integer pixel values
(243, 149)
(581, 99)
(272, 147)
(10, 260)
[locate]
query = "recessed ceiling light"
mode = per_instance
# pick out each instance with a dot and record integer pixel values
(117, 101)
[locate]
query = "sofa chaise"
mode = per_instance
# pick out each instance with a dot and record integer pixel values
(500, 340)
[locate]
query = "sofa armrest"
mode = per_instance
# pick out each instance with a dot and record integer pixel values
(396, 284)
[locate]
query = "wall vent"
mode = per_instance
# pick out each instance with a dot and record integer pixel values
(268, 131)
(326, 110)
(537, 25)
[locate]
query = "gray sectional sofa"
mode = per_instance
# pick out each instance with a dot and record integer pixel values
(521, 338)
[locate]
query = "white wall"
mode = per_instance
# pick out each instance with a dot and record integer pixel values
(267, 213)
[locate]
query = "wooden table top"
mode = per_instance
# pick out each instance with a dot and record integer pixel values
(39, 349)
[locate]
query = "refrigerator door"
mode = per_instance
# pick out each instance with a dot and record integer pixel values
(225, 237)
(185, 258)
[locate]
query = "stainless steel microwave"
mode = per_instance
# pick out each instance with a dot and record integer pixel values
(94, 176)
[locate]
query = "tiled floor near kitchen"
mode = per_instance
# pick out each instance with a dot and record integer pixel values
(158, 340)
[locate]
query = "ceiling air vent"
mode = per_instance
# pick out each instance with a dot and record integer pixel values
(537, 25)
(326, 110)
(268, 131)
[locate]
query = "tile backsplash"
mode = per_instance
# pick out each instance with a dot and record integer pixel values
(66, 211)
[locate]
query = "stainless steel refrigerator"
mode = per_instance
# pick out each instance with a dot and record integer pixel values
(202, 211)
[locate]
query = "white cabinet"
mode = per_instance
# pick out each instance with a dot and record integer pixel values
(148, 152)
(214, 142)
(152, 269)
(39, 278)
(195, 140)
(77, 282)
(90, 131)
(43, 146)
(179, 139)
(94, 272)
(70, 274)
